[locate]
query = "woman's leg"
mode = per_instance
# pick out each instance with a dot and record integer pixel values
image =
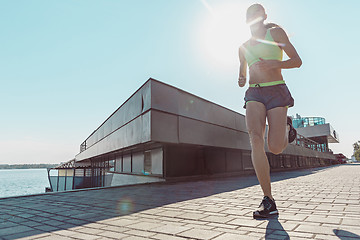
(278, 129)
(255, 122)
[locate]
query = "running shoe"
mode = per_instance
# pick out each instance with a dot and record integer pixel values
(266, 209)
(292, 131)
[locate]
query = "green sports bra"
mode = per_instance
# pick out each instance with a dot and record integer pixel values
(266, 49)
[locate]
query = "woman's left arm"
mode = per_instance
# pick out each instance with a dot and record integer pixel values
(294, 60)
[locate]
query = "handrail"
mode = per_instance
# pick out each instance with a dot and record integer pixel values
(68, 164)
(310, 144)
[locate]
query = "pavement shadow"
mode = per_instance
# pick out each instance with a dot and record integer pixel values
(33, 215)
(345, 235)
(274, 229)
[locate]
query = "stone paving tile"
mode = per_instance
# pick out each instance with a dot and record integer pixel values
(167, 237)
(166, 222)
(22, 234)
(77, 221)
(328, 237)
(217, 219)
(17, 219)
(351, 221)
(66, 226)
(170, 229)
(84, 236)
(31, 223)
(353, 230)
(234, 231)
(350, 233)
(211, 209)
(314, 229)
(198, 225)
(257, 234)
(319, 203)
(169, 213)
(90, 231)
(116, 229)
(135, 238)
(140, 233)
(161, 219)
(35, 236)
(300, 235)
(113, 235)
(7, 225)
(55, 237)
(192, 216)
(322, 219)
(67, 233)
(26, 215)
(37, 219)
(278, 236)
(59, 218)
(288, 226)
(237, 212)
(94, 225)
(199, 234)
(145, 226)
(221, 225)
(54, 223)
(232, 236)
(245, 222)
(120, 222)
(46, 228)
(14, 230)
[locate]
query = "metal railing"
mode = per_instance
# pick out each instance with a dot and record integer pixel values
(310, 144)
(70, 176)
(83, 146)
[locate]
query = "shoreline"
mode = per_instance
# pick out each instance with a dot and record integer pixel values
(26, 166)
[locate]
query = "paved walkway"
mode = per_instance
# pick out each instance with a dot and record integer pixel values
(321, 203)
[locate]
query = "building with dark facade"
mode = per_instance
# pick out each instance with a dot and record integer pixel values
(162, 133)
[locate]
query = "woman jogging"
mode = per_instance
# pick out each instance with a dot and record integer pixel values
(267, 96)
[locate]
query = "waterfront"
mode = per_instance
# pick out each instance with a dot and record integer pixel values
(18, 182)
(320, 203)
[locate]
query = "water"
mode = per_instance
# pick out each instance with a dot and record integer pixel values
(17, 182)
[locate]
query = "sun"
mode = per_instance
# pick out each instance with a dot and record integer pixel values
(221, 31)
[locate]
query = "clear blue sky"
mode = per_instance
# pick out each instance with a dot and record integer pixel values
(67, 65)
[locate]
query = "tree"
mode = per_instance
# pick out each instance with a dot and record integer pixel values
(357, 150)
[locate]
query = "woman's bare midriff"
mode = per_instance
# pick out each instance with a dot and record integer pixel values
(258, 76)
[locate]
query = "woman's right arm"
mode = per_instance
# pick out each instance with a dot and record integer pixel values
(242, 71)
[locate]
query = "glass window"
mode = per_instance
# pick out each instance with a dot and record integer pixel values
(112, 165)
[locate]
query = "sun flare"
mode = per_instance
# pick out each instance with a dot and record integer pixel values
(221, 32)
